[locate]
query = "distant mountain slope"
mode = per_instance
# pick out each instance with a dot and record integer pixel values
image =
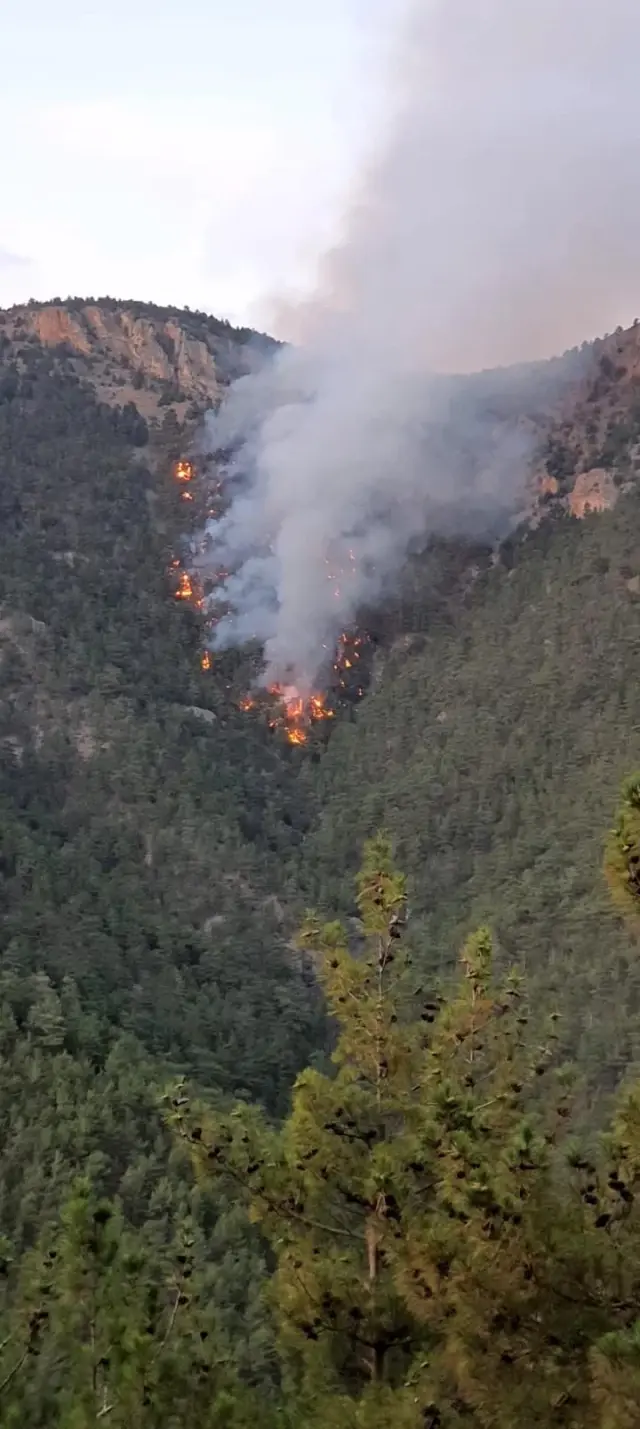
(157, 357)
(492, 749)
(501, 715)
(145, 823)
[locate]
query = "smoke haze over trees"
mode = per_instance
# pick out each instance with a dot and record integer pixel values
(498, 220)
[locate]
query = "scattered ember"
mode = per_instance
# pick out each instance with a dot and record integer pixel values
(189, 587)
(347, 655)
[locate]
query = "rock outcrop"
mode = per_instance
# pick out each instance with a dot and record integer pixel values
(593, 491)
(134, 352)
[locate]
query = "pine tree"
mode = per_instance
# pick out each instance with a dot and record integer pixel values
(487, 1240)
(322, 1187)
(103, 1332)
(443, 1255)
(622, 852)
(45, 1018)
(404, 1194)
(613, 1230)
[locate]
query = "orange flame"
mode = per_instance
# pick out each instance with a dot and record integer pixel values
(299, 712)
(183, 471)
(295, 735)
(185, 588)
(189, 589)
(205, 661)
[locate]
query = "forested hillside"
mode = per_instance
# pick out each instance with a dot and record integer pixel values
(159, 844)
(146, 822)
(146, 827)
(491, 751)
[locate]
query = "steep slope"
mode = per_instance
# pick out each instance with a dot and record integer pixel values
(158, 841)
(146, 823)
(492, 749)
(158, 358)
(504, 718)
(500, 717)
(146, 831)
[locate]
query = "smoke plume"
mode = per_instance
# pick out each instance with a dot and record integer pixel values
(497, 222)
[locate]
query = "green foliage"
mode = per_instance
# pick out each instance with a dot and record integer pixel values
(490, 749)
(320, 1188)
(123, 1331)
(143, 891)
(417, 1235)
(142, 847)
(434, 1262)
(622, 853)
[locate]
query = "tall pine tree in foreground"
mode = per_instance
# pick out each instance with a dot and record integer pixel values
(622, 852)
(615, 1359)
(444, 1254)
(432, 1263)
(323, 1187)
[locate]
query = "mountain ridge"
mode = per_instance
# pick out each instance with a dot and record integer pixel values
(100, 657)
(159, 841)
(580, 408)
(137, 352)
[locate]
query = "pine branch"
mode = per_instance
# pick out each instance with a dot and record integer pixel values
(286, 1213)
(13, 1372)
(169, 1329)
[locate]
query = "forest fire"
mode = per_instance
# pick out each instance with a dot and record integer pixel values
(188, 589)
(185, 588)
(283, 706)
(298, 712)
(348, 654)
(183, 471)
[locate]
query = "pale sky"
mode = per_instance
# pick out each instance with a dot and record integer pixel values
(179, 151)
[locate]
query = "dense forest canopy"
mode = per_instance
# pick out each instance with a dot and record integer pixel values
(159, 845)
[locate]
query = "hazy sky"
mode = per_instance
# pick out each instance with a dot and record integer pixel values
(186, 151)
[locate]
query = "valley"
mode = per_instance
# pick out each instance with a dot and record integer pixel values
(163, 833)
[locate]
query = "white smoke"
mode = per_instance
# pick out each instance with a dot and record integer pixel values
(499, 221)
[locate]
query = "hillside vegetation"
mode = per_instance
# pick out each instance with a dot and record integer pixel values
(491, 751)
(159, 845)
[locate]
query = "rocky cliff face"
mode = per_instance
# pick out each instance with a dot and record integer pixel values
(590, 438)
(157, 358)
(167, 360)
(593, 491)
